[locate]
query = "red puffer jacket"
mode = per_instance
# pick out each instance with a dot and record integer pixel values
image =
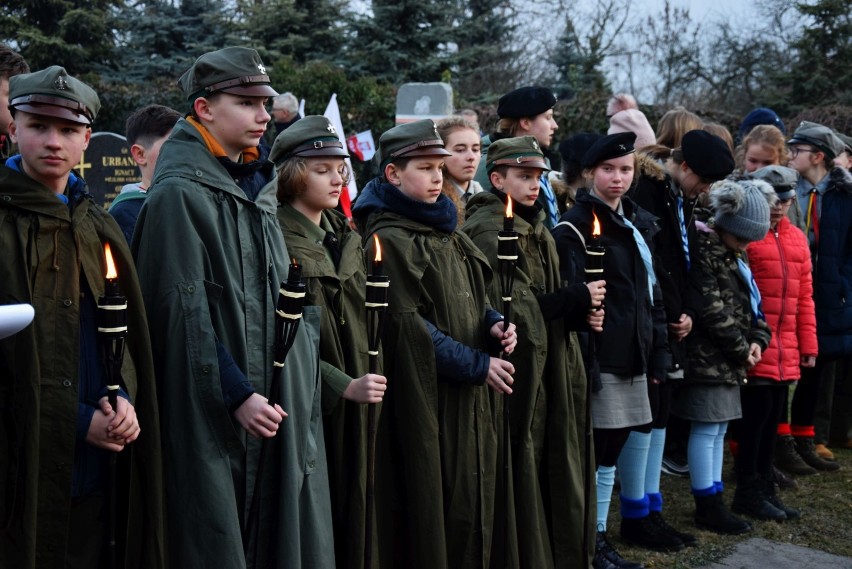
(781, 264)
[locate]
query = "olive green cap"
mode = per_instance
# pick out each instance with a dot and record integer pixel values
(54, 93)
(409, 140)
(519, 152)
(818, 135)
(313, 135)
(234, 70)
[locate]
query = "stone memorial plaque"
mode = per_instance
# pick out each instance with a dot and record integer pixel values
(107, 166)
(418, 101)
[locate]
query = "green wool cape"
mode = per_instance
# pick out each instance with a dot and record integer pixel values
(547, 406)
(210, 263)
(46, 250)
(340, 292)
(437, 448)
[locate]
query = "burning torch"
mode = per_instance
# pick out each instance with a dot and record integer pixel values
(112, 333)
(376, 303)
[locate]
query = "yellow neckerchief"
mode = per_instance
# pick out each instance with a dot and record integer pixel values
(247, 155)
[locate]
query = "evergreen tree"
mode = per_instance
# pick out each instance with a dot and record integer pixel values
(485, 63)
(403, 40)
(303, 30)
(578, 62)
(822, 71)
(161, 39)
(72, 33)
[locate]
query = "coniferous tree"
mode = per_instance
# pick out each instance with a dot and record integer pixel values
(485, 63)
(402, 40)
(160, 39)
(72, 33)
(303, 30)
(822, 71)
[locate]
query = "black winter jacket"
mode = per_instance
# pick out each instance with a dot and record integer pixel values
(633, 340)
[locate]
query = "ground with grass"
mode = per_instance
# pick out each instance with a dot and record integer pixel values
(825, 500)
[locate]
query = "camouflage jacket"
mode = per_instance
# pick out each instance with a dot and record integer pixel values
(718, 346)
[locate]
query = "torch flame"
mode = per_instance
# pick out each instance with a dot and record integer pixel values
(508, 206)
(378, 248)
(111, 272)
(596, 227)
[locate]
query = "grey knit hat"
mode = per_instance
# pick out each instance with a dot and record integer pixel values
(742, 208)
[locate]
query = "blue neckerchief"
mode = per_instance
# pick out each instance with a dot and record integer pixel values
(441, 215)
(645, 253)
(552, 208)
(754, 293)
(14, 163)
(683, 236)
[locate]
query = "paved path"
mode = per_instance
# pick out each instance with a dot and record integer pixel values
(759, 553)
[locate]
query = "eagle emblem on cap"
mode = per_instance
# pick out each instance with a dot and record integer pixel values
(60, 83)
(261, 68)
(622, 148)
(331, 129)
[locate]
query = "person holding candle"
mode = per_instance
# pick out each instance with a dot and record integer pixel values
(57, 428)
(632, 346)
(549, 500)
(211, 257)
(437, 448)
(311, 176)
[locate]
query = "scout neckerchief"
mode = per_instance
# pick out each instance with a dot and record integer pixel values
(248, 154)
(552, 208)
(754, 292)
(683, 237)
(812, 217)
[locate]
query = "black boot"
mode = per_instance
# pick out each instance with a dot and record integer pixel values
(645, 533)
(772, 498)
(750, 499)
(711, 513)
(787, 458)
(687, 538)
(784, 481)
(606, 557)
(805, 448)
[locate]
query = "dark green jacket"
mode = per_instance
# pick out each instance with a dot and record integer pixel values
(437, 449)
(210, 263)
(548, 400)
(340, 293)
(46, 250)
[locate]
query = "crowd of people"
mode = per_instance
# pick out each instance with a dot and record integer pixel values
(545, 332)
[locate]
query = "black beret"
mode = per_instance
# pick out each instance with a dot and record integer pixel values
(573, 148)
(525, 102)
(609, 146)
(707, 155)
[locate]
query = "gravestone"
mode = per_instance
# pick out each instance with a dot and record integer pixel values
(418, 101)
(107, 166)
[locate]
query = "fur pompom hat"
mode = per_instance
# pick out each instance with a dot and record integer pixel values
(742, 207)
